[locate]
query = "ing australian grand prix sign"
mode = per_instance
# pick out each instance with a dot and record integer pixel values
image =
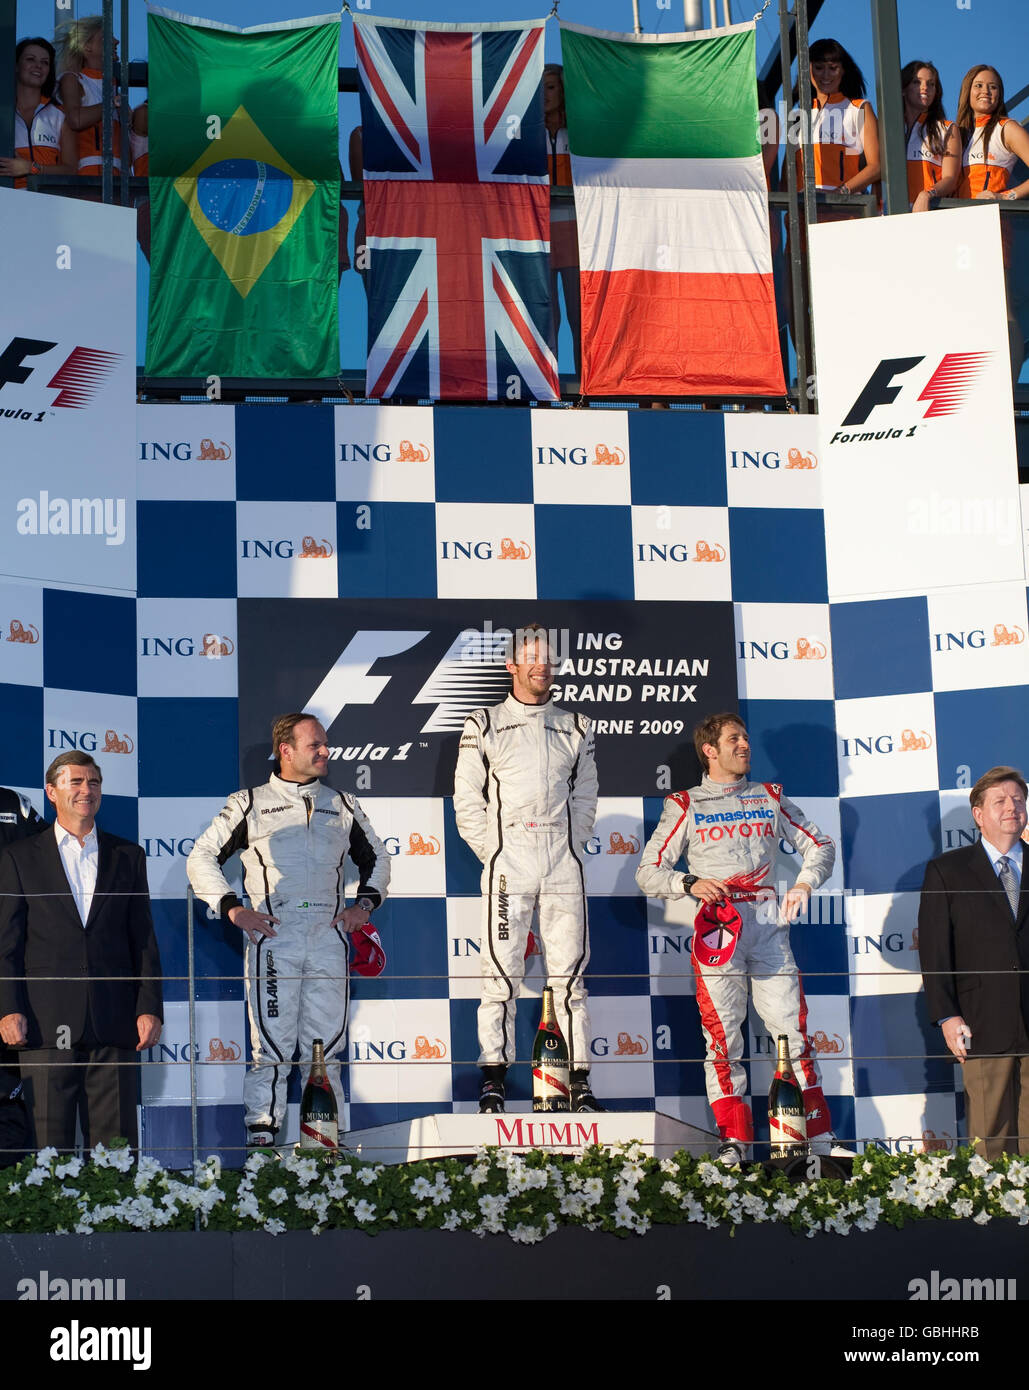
(393, 680)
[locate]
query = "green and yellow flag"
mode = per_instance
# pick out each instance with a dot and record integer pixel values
(244, 192)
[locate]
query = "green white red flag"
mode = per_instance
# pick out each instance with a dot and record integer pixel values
(674, 254)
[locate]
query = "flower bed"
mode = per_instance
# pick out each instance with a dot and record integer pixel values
(525, 1197)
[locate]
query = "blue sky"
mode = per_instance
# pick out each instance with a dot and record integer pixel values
(953, 34)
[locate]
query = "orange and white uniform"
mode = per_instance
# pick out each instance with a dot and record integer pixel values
(989, 175)
(39, 142)
(91, 147)
(837, 137)
(564, 238)
(925, 165)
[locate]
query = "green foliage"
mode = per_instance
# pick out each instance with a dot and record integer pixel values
(525, 1196)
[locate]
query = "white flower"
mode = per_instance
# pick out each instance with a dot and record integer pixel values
(669, 1189)
(978, 1167)
(278, 1195)
(1013, 1202)
(668, 1165)
(572, 1205)
(37, 1177)
(71, 1168)
(256, 1162)
(367, 1176)
(478, 1175)
(275, 1227)
(962, 1207)
(526, 1235)
(83, 1228)
(981, 1217)
(1018, 1172)
(994, 1180)
(452, 1221)
(46, 1156)
(69, 1191)
(898, 1190)
(364, 1211)
(440, 1195)
(421, 1187)
(592, 1191)
(784, 1204)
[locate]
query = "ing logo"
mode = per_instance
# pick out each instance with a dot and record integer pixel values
(216, 646)
(214, 453)
(510, 550)
(936, 1143)
(820, 1042)
(809, 651)
(20, 633)
(619, 844)
(608, 457)
(629, 1046)
(1007, 637)
(114, 744)
(417, 844)
(311, 550)
(714, 553)
(910, 742)
(795, 459)
(426, 1051)
(223, 1052)
(411, 453)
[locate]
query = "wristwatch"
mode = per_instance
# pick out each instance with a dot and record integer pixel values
(366, 904)
(688, 880)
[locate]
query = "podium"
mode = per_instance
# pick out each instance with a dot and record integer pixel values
(449, 1136)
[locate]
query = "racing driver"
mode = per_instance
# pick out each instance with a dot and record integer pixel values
(728, 830)
(525, 797)
(292, 835)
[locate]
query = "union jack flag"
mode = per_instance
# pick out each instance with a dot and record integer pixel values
(457, 210)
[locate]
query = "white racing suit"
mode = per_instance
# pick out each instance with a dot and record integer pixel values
(525, 797)
(724, 831)
(292, 839)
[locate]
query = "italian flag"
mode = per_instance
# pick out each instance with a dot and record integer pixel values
(675, 262)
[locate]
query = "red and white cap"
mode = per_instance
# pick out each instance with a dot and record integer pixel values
(716, 930)
(366, 954)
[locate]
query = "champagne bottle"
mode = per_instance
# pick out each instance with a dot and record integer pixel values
(787, 1126)
(550, 1072)
(319, 1120)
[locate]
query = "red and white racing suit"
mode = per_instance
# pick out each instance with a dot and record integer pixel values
(728, 831)
(525, 797)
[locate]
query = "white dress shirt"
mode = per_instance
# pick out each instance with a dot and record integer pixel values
(80, 866)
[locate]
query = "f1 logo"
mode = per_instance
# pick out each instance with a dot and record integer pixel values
(945, 390)
(11, 369)
(348, 682)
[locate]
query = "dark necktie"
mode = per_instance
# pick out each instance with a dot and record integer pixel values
(1009, 882)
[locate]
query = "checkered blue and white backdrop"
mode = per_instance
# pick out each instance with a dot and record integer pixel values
(689, 547)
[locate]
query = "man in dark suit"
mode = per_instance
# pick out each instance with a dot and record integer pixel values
(80, 973)
(18, 820)
(973, 944)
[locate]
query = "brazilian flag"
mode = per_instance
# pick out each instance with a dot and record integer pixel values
(244, 192)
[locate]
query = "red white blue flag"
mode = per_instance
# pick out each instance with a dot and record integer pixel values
(456, 210)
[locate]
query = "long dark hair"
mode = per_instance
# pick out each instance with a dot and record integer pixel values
(50, 81)
(966, 116)
(935, 115)
(852, 83)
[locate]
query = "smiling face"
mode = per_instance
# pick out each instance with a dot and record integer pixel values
(729, 759)
(76, 796)
(920, 93)
(93, 50)
(826, 76)
(984, 94)
(33, 66)
(532, 674)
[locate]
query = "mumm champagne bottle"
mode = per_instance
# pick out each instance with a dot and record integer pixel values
(319, 1120)
(550, 1076)
(787, 1126)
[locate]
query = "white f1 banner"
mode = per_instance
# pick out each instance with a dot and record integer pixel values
(919, 475)
(68, 392)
